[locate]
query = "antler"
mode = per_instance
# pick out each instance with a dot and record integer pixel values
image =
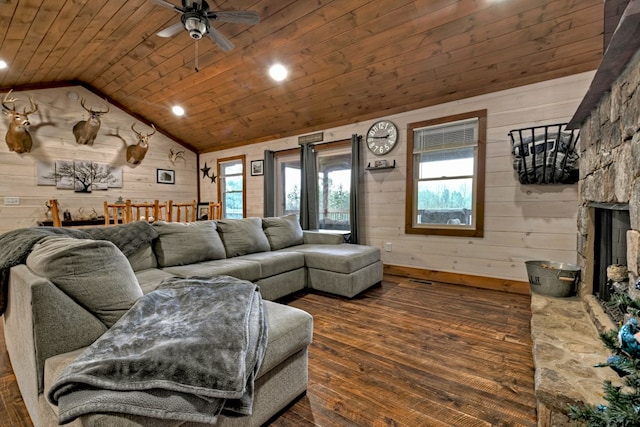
(6, 99)
(34, 107)
(92, 111)
(139, 134)
(173, 156)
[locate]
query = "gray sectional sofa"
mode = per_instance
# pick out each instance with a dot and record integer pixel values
(69, 292)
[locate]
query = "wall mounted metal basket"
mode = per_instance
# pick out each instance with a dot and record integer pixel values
(545, 154)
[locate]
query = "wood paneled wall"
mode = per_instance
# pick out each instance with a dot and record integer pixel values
(522, 222)
(51, 129)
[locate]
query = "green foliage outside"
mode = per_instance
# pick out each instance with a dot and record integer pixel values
(444, 198)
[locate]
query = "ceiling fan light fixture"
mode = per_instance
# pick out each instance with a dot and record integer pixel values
(278, 72)
(177, 110)
(196, 27)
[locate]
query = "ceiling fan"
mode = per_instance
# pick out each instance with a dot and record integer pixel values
(197, 17)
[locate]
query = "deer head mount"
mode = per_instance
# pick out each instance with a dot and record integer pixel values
(173, 155)
(135, 153)
(18, 138)
(85, 131)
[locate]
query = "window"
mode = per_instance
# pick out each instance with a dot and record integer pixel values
(334, 185)
(445, 177)
(231, 186)
(288, 182)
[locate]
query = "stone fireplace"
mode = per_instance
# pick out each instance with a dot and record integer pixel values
(611, 224)
(566, 345)
(610, 185)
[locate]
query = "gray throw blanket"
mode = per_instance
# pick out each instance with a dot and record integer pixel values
(187, 351)
(16, 245)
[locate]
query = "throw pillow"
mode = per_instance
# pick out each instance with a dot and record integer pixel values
(181, 243)
(242, 236)
(283, 231)
(94, 273)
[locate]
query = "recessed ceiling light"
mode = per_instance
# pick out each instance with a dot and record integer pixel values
(177, 110)
(278, 72)
(3, 64)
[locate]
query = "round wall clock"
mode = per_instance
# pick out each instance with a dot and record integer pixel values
(382, 137)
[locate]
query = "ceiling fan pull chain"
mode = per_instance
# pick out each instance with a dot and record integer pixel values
(197, 70)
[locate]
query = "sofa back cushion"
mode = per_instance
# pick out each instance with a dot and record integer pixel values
(242, 236)
(143, 259)
(282, 231)
(94, 273)
(181, 243)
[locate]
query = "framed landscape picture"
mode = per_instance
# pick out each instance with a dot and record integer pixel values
(166, 176)
(257, 167)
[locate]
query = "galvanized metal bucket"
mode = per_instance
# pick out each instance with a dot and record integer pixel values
(554, 279)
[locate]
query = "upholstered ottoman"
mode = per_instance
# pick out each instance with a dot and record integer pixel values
(342, 269)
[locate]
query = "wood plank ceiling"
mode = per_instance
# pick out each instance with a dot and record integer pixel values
(348, 60)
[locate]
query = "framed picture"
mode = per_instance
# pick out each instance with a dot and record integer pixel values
(380, 164)
(203, 211)
(257, 167)
(166, 176)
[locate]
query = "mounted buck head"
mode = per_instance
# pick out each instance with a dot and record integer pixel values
(85, 131)
(18, 138)
(135, 153)
(173, 156)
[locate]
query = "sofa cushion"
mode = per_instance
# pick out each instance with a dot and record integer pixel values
(245, 270)
(290, 330)
(345, 258)
(94, 273)
(282, 231)
(274, 263)
(143, 259)
(151, 278)
(181, 243)
(242, 236)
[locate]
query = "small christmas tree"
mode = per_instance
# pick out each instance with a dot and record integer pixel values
(623, 407)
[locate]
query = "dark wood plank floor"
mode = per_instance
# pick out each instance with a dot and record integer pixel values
(401, 354)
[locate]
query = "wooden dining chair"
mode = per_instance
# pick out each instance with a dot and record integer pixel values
(146, 211)
(163, 211)
(215, 210)
(117, 211)
(55, 212)
(188, 208)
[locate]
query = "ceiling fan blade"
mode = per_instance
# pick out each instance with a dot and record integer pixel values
(241, 17)
(172, 30)
(168, 5)
(221, 40)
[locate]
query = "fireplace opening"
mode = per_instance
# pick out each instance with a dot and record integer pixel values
(612, 221)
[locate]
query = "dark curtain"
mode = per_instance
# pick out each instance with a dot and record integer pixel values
(309, 189)
(354, 210)
(269, 183)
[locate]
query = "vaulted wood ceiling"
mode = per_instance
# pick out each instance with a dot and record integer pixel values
(348, 60)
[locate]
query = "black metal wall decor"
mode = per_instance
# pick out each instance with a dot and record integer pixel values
(545, 154)
(205, 173)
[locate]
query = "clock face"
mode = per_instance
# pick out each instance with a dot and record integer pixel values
(382, 137)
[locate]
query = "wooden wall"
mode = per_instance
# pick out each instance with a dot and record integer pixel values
(51, 128)
(522, 222)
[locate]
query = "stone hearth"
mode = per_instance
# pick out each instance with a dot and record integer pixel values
(566, 347)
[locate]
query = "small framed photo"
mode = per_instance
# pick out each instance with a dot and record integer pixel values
(380, 164)
(257, 167)
(166, 176)
(203, 211)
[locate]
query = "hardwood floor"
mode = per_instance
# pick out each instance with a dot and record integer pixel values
(400, 354)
